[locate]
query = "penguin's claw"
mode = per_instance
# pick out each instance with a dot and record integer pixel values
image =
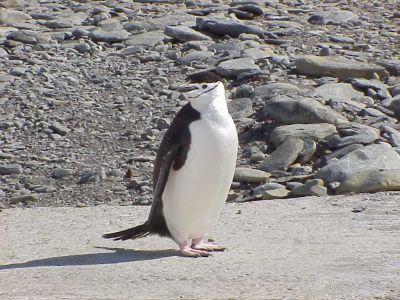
(199, 244)
(190, 252)
(208, 247)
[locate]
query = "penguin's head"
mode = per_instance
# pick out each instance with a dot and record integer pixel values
(203, 90)
(202, 95)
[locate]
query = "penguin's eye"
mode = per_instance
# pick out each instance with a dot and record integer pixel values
(204, 86)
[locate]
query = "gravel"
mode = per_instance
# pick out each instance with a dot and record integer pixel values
(87, 86)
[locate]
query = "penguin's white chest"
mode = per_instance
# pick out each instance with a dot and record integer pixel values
(195, 194)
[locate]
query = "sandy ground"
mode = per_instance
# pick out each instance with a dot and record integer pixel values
(304, 248)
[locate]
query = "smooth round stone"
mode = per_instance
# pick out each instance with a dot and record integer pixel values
(275, 194)
(250, 175)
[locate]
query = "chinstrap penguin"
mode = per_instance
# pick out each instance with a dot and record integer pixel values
(192, 173)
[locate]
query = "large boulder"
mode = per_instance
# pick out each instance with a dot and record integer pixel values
(316, 132)
(371, 181)
(334, 66)
(288, 110)
(373, 157)
(283, 156)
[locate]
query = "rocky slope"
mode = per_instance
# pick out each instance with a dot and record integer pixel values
(89, 87)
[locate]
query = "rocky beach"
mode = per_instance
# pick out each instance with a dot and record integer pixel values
(88, 89)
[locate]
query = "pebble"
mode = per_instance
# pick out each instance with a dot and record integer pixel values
(312, 187)
(59, 128)
(275, 194)
(261, 189)
(60, 173)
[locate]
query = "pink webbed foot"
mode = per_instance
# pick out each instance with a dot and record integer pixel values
(187, 251)
(199, 244)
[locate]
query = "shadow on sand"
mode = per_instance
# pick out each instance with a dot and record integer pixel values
(119, 255)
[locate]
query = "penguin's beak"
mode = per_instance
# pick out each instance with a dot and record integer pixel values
(186, 88)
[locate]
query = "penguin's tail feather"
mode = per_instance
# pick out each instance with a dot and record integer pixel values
(131, 233)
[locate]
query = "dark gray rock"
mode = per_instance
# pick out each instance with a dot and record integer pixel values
(227, 27)
(59, 128)
(366, 84)
(395, 90)
(288, 110)
(316, 132)
(10, 169)
(283, 156)
(334, 66)
(234, 67)
(353, 133)
(83, 47)
(392, 65)
(109, 36)
(341, 39)
(312, 187)
(391, 134)
(244, 91)
(372, 157)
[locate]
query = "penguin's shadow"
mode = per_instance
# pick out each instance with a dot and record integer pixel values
(119, 255)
